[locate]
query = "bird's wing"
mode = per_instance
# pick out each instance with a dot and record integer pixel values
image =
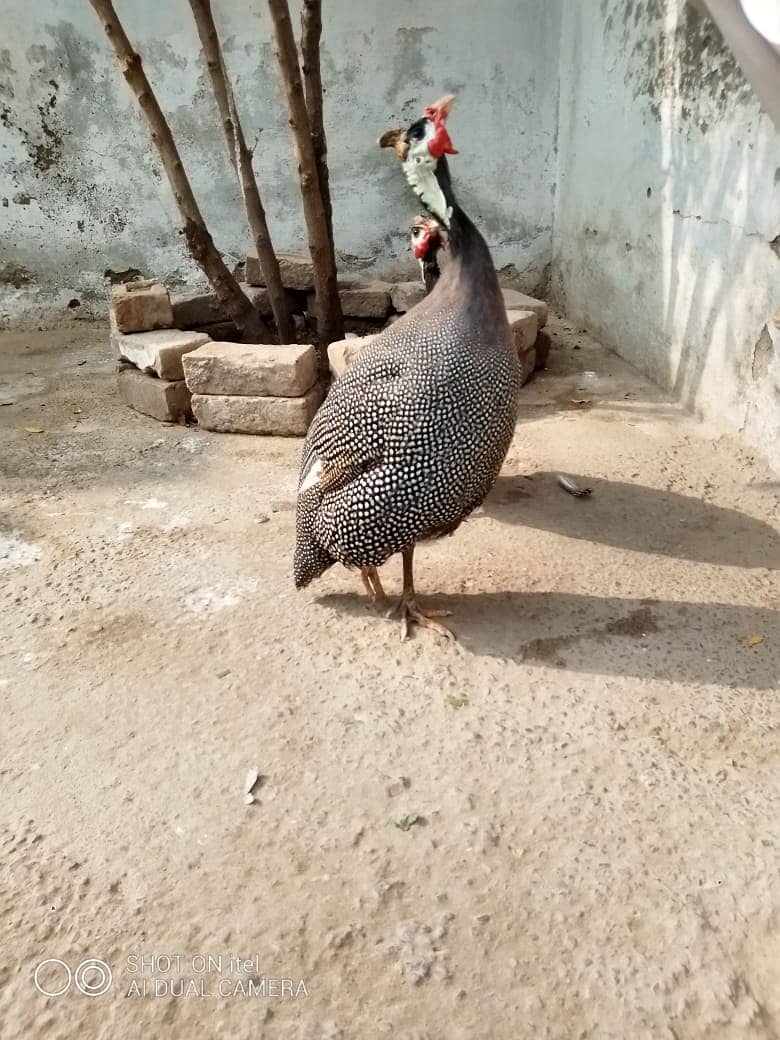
(349, 433)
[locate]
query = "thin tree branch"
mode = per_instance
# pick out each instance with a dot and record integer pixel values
(311, 32)
(330, 323)
(241, 159)
(196, 234)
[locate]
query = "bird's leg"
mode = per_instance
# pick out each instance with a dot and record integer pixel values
(410, 609)
(372, 583)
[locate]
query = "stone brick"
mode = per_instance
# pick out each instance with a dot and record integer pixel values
(259, 298)
(517, 301)
(158, 352)
(527, 365)
(524, 327)
(542, 348)
(141, 306)
(406, 295)
(163, 399)
(362, 302)
(296, 269)
(196, 308)
(274, 416)
(220, 331)
(251, 369)
(344, 351)
(366, 301)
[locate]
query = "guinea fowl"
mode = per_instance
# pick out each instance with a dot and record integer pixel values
(411, 437)
(427, 240)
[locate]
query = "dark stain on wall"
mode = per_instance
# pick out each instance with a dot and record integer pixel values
(15, 275)
(763, 354)
(692, 65)
(43, 143)
(130, 274)
(411, 62)
(65, 94)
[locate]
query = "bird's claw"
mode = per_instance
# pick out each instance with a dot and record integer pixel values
(410, 611)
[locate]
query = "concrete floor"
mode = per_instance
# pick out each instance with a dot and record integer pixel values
(593, 766)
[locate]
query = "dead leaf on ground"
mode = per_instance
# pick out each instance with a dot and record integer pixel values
(754, 640)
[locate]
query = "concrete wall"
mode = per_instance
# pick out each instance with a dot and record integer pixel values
(82, 192)
(667, 231)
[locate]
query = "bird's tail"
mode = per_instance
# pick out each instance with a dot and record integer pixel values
(311, 560)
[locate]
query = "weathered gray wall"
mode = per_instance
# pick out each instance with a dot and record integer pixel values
(667, 222)
(664, 191)
(82, 192)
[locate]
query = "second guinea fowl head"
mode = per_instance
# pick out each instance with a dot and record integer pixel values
(421, 149)
(427, 240)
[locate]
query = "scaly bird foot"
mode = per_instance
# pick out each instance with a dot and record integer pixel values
(410, 611)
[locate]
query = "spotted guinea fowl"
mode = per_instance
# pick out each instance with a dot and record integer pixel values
(412, 436)
(427, 240)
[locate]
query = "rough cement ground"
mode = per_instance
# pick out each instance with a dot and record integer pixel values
(593, 764)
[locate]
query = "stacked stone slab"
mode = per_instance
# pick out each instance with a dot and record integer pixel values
(203, 312)
(170, 348)
(149, 351)
(525, 315)
(253, 388)
(369, 306)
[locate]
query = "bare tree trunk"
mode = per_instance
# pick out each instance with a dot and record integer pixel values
(330, 323)
(241, 158)
(197, 237)
(311, 31)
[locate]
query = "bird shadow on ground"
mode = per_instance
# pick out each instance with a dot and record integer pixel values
(667, 640)
(636, 517)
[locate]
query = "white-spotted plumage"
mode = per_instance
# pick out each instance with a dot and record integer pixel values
(408, 442)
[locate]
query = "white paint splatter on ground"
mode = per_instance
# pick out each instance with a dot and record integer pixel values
(208, 600)
(193, 447)
(149, 503)
(125, 531)
(16, 553)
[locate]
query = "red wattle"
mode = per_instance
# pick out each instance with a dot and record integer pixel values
(440, 144)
